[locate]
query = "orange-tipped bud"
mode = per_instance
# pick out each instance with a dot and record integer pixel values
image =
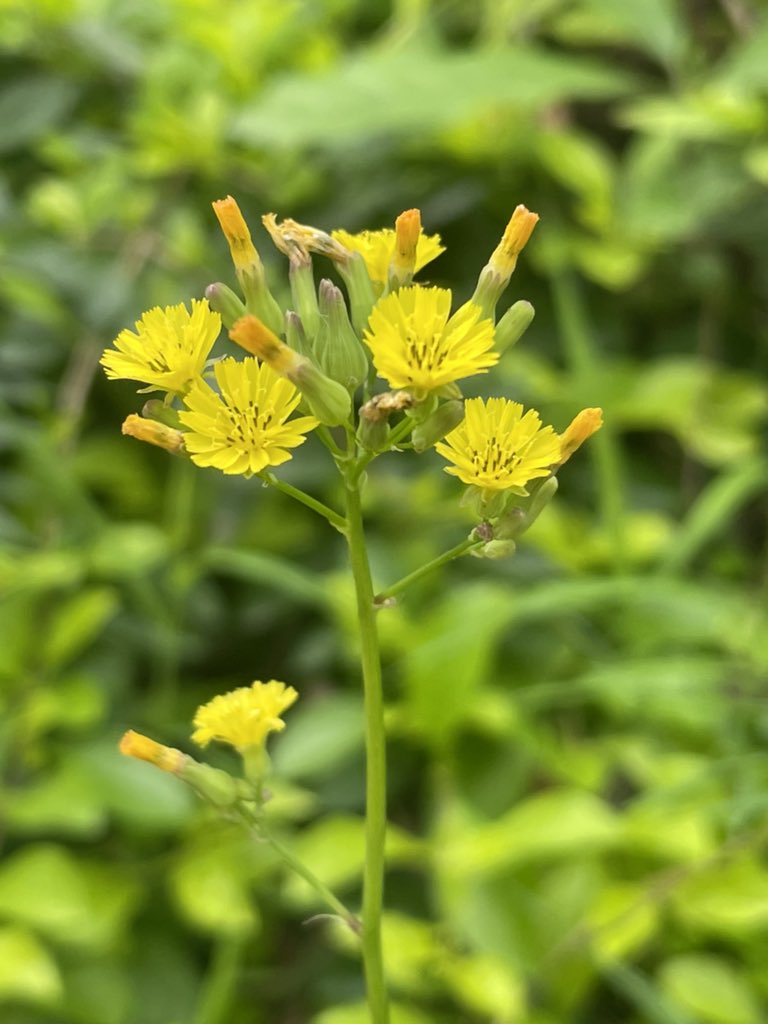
(518, 231)
(495, 275)
(153, 432)
(407, 233)
(167, 759)
(255, 337)
(581, 427)
(236, 232)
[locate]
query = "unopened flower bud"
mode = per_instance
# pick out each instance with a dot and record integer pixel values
(442, 421)
(513, 325)
(295, 335)
(495, 275)
(337, 348)
(224, 301)
(510, 524)
(154, 409)
(495, 549)
(540, 498)
(583, 426)
(167, 759)
(328, 400)
(515, 520)
(248, 266)
(362, 297)
(154, 432)
(291, 239)
(403, 265)
(214, 785)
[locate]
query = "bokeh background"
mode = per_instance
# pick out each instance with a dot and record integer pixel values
(579, 783)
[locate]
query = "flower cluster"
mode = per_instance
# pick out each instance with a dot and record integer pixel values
(313, 365)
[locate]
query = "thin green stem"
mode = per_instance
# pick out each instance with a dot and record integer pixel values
(376, 765)
(463, 548)
(217, 995)
(326, 437)
(259, 827)
(320, 888)
(336, 520)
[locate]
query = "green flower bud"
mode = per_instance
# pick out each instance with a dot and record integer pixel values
(216, 786)
(540, 498)
(328, 400)
(495, 549)
(295, 336)
(513, 325)
(435, 427)
(362, 297)
(303, 292)
(154, 409)
(224, 301)
(337, 348)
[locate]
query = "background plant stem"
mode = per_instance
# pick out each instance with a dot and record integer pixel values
(376, 767)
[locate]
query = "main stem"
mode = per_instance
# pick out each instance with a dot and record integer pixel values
(376, 764)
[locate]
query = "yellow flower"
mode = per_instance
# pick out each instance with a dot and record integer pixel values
(243, 429)
(244, 717)
(378, 248)
(168, 350)
(498, 446)
(416, 346)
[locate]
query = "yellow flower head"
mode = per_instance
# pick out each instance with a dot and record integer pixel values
(416, 346)
(168, 350)
(243, 429)
(379, 248)
(497, 446)
(244, 717)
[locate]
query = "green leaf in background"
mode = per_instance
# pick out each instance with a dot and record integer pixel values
(417, 90)
(710, 988)
(211, 881)
(324, 734)
(450, 660)
(31, 107)
(622, 921)
(729, 902)
(77, 623)
(549, 825)
(28, 972)
(66, 898)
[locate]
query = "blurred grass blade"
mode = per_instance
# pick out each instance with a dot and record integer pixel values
(713, 511)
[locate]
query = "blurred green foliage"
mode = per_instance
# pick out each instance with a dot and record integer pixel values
(578, 778)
